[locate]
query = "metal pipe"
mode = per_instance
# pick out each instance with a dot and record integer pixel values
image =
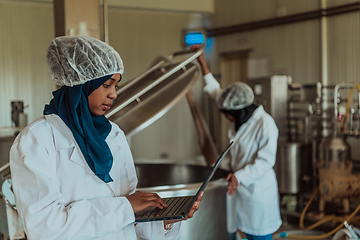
(325, 132)
(324, 46)
(106, 21)
(278, 21)
(336, 90)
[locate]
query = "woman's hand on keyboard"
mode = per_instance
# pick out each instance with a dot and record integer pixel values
(141, 200)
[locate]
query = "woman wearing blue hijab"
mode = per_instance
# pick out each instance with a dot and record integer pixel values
(73, 174)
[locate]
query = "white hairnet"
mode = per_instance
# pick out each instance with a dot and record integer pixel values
(236, 96)
(74, 60)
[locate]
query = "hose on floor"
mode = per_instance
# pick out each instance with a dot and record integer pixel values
(325, 219)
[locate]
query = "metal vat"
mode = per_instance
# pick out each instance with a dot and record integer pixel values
(168, 180)
(294, 167)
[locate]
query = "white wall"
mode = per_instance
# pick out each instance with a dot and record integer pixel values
(26, 31)
(295, 49)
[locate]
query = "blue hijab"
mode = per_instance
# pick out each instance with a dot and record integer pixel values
(90, 132)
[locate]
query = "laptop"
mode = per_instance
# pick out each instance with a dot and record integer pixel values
(177, 207)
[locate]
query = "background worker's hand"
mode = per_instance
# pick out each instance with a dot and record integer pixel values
(233, 184)
(201, 58)
(197, 47)
(141, 200)
(190, 214)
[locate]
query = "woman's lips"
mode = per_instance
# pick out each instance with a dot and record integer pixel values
(106, 107)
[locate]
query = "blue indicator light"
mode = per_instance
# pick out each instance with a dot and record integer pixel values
(194, 38)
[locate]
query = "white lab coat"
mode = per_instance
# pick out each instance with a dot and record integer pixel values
(254, 208)
(59, 197)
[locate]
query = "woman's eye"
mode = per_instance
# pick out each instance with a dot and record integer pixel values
(106, 85)
(117, 87)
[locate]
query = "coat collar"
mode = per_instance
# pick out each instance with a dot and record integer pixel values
(257, 113)
(63, 139)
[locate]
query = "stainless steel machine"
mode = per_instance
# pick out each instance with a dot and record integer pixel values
(338, 184)
(272, 93)
(295, 163)
(322, 119)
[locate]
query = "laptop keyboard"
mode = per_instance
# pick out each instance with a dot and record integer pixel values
(173, 207)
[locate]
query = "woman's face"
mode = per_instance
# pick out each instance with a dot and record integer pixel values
(101, 99)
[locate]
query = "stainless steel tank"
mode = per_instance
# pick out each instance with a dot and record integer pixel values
(169, 180)
(294, 167)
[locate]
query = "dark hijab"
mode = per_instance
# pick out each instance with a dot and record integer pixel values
(90, 132)
(242, 115)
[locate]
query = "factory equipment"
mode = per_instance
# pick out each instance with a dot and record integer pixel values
(348, 118)
(148, 97)
(337, 183)
(294, 167)
(272, 93)
(328, 127)
(295, 163)
(309, 153)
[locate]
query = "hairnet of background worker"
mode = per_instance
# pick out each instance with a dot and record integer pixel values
(252, 199)
(73, 174)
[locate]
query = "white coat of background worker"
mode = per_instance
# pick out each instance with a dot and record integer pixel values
(252, 200)
(72, 171)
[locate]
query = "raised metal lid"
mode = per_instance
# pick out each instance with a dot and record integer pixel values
(149, 96)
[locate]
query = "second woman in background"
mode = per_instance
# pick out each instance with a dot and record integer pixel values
(252, 201)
